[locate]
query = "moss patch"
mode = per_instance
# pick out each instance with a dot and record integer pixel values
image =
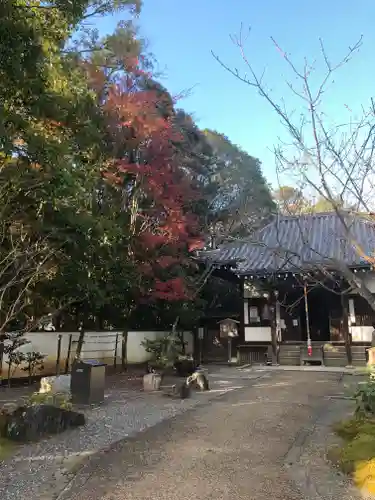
(56, 399)
(356, 456)
(349, 429)
(6, 448)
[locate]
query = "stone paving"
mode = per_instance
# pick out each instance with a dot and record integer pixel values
(250, 444)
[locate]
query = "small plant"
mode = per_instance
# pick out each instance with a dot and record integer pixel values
(11, 343)
(15, 359)
(330, 347)
(365, 398)
(59, 400)
(34, 362)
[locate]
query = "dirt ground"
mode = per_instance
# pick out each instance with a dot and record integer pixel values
(236, 447)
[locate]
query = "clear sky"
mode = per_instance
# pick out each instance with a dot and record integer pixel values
(182, 35)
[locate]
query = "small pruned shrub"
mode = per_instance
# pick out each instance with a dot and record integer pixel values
(34, 362)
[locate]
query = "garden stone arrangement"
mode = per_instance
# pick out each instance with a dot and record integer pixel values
(39, 416)
(31, 423)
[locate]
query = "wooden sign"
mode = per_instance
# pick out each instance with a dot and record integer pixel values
(228, 328)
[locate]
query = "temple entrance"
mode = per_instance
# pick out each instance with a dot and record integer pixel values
(320, 304)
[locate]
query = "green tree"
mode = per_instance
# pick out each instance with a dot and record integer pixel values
(290, 200)
(52, 151)
(324, 205)
(242, 201)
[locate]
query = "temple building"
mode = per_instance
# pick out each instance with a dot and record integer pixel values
(307, 283)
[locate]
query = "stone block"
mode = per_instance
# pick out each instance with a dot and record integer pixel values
(151, 382)
(57, 384)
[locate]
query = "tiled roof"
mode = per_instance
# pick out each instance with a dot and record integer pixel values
(295, 243)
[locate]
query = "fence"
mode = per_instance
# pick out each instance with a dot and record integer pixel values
(108, 347)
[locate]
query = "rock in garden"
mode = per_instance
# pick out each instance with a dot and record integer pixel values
(199, 380)
(6, 410)
(178, 391)
(56, 384)
(151, 382)
(30, 423)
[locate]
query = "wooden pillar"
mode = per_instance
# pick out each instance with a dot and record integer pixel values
(307, 314)
(124, 350)
(278, 322)
(274, 342)
(345, 328)
(241, 332)
(200, 346)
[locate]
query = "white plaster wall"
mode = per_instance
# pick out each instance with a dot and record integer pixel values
(97, 345)
(136, 353)
(257, 334)
(361, 333)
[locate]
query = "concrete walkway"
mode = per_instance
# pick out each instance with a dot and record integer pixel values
(246, 445)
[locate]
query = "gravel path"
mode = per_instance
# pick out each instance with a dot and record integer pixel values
(240, 447)
(40, 471)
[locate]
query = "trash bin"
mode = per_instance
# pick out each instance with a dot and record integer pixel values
(87, 382)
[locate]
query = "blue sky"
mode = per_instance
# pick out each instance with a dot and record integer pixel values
(182, 35)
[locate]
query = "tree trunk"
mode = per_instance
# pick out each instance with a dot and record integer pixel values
(124, 350)
(80, 342)
(274, 342)
(1, 356)
(345, 329)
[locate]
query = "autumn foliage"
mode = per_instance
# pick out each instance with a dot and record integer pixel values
(159, 191)
(109, 184)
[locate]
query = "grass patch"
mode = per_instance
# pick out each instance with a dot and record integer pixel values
(356, 455)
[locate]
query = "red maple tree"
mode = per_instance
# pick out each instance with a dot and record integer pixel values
(147, 167)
